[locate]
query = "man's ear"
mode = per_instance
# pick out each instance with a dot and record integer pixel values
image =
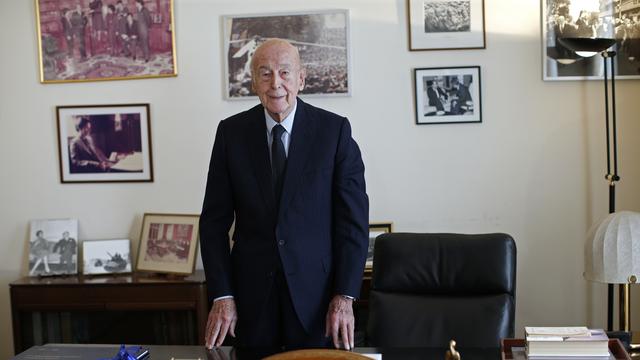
(303, 75)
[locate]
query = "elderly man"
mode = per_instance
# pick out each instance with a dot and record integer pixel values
(292, 178)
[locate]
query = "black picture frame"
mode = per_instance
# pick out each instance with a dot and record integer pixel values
(448, 95)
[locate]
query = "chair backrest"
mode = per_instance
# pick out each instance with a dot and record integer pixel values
(427, 289)
(318, 354)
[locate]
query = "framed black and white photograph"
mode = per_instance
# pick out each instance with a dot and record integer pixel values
(448, 95)
(53, 247)
(106, 256)
(104, 143)
(375, 229)
(446, 24)
(614, 19)
(168, 243)
(322, 38)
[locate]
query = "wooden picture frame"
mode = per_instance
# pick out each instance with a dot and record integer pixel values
(168, 243)
(104, 143)
(322, 38)
(375, 229)
(446, 24)
(448, 95)
(97, 40)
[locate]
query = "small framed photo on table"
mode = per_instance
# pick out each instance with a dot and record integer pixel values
(448, 95)
(446, 24)
(53, 247)
(375, 229)
(104, 143)
(106, 256)
(168, 243)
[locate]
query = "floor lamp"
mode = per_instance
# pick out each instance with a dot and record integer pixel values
(586, 47)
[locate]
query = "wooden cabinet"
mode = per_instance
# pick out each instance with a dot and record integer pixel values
(135, 308)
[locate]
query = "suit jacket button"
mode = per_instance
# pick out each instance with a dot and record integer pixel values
(280, 242)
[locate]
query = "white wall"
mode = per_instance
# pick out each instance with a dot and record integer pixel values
(533, 168)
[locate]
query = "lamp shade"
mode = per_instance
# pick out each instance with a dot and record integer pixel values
(612, 252)
(586, 44)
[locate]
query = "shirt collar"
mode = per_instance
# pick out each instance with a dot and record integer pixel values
(287, 123)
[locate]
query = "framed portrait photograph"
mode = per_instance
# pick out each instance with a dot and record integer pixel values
(104, 143)
(168, 243)
(322, 38)
(53, 247)
(106, 257)
(614, 19)
(446, 24)
(448, 95)
(92, 40)
(375, 229)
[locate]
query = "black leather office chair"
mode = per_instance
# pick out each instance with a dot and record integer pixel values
(427, 289)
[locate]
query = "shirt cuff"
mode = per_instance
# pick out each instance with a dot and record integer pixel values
(223, 297)
(348, 297)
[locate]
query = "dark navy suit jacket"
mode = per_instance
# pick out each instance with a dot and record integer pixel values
(320, 231)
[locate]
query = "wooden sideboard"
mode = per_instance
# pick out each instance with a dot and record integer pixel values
(133, 308)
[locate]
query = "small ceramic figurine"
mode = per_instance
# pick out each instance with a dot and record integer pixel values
(452, 354)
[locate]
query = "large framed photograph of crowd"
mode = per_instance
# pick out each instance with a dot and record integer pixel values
(168, 243)
(322, 38)
(92, 40)
(104, 143)
(448, 95)
(446, 24)
(615, 19)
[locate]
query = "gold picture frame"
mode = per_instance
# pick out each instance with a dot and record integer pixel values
(168, 243)
(97, 40)
(375, 229)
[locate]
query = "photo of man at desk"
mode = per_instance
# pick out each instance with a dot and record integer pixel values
(292, 178)
(115, 134)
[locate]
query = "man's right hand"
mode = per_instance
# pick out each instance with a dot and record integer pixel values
(222, 320)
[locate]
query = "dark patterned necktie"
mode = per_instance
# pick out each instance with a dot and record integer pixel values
(278, 161)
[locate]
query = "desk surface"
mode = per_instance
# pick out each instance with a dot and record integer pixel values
(167, 352)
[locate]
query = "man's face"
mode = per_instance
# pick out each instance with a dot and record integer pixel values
(85, 130)
(277, 77)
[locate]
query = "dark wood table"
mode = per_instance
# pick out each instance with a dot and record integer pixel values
(77, 304)
(228, 353)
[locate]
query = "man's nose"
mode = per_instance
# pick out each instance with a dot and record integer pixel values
(275, 81)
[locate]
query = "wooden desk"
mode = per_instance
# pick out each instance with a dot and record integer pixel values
(106, 309)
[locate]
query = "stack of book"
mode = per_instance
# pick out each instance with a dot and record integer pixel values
(575, 341)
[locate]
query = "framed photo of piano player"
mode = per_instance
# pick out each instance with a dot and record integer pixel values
(168, 243)
(321, 37)
(104, 143)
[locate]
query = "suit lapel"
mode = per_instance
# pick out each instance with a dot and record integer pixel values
(259, 153)
(299, 146)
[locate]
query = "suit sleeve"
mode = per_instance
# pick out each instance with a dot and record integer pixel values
(350, 215)
(215, 221)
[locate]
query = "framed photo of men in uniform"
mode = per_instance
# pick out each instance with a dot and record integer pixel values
(321, 37)
(104, 143)
(446, 24)
(93, 40)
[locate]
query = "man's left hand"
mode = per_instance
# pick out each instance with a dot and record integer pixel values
(340, 322)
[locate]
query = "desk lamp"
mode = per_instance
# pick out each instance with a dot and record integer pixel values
(612, 256)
